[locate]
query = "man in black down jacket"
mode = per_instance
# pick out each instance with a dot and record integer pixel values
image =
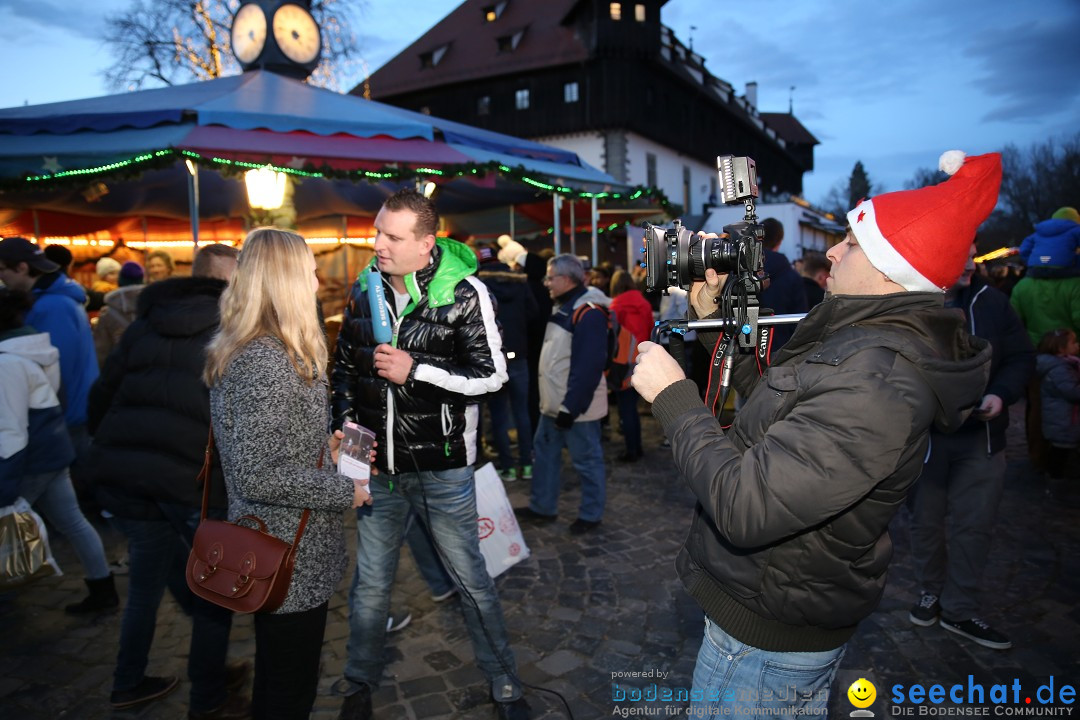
(150, 415)
(418, 393)
(517, 312)
(965, 472)
(789, 544)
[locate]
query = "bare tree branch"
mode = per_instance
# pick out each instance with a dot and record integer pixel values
(176, 41)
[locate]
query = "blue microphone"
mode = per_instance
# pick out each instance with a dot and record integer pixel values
(380, 317)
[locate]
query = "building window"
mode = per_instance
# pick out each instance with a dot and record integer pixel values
(483, 105)
(712, 191)
(521, 99)
(616, 11)
(570, 92)
(639, 12)
(650, 170)
(509, 43)
(433, 58)
(493, 12)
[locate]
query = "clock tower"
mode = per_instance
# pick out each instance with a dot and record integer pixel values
(276, 35)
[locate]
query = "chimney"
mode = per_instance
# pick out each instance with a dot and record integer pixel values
(751, 94)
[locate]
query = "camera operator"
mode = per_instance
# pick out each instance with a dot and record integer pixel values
(789, 544)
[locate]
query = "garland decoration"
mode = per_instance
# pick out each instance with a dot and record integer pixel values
(158, 159)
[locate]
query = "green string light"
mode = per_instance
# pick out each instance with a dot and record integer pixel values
(387, 174)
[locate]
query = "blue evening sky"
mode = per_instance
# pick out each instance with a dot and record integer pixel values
(893, 84)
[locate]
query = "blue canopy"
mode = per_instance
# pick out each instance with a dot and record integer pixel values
(285, 113)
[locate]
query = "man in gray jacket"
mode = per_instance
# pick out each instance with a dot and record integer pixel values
(789, 544)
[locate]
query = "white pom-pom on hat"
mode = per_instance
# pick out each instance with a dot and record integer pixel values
(504, 240)
(951, 161)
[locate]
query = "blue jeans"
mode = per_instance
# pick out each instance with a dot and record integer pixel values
(426, 556)
(514, 394)
(627, 401)
(53, 496)
(158, 552)
(446, 501)
(587, 455)
(731, 677)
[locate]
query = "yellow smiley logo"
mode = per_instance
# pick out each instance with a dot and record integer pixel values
(862, 693)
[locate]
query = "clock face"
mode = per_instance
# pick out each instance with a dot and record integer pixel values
(248, 33)
(296, 33)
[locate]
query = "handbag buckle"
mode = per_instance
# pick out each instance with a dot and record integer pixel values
(241, 581)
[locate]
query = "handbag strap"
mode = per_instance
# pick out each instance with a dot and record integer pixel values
(205, 476)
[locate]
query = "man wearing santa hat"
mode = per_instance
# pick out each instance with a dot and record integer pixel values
(789, 545)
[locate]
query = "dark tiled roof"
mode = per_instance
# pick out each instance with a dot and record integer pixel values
(789, 128)
(472, 46)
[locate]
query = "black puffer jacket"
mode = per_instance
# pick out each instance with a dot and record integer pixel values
(450, 331)
(516, 307)
(150, 411)
(789, 545)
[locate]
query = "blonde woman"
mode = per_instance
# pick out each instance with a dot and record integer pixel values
(268, 404)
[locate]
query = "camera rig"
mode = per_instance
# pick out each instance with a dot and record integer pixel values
(677, 257)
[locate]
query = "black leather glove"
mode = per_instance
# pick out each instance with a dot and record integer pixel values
(564, 421)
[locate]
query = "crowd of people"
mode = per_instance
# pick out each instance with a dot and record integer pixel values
(893, 389)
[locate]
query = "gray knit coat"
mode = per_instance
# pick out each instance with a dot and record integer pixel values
(270, 427)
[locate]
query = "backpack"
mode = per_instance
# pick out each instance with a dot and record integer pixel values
(621, 348)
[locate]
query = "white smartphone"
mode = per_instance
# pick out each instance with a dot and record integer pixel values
(354, 456)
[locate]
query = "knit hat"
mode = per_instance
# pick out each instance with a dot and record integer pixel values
(106, 266)
(921, 238)
(131, 273)
(59, 255)
(1066, 213)
(511, 252)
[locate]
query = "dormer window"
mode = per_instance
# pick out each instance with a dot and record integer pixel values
(509, 43)
(639, 12)
(616, 11)
(494, 12)
(433, 58)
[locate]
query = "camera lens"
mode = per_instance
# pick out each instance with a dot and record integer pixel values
(720, 254)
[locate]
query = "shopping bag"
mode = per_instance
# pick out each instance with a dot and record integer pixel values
(501, 542)
(24, 546)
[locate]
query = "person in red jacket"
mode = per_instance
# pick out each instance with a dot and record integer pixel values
(634, 313)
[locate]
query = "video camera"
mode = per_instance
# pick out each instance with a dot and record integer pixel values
(677, 257)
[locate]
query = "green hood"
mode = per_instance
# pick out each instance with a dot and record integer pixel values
(455, 261)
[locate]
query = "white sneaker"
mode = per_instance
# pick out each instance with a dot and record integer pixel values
(443, 597)
(397, 622)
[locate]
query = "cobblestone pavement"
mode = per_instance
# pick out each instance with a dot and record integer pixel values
(582, 609)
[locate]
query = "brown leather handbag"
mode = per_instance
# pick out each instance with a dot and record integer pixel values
(244, 569)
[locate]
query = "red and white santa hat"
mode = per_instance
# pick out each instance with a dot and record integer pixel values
(921, 238)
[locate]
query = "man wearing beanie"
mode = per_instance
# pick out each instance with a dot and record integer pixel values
(513, 254)
(789, 544)
(119, 310)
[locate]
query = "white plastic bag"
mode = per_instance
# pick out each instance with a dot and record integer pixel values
(501, 541)
(24, 546)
